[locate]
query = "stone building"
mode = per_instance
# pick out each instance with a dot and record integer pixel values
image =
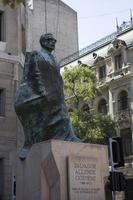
(56, 17)
(112, 58)
(20, 29)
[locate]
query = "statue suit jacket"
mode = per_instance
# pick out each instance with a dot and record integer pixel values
(41, 80)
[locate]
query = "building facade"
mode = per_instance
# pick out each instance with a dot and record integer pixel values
(52, 16)
(20, 30)
(112, 58)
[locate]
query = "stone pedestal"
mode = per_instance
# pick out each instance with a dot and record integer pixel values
(59, 170)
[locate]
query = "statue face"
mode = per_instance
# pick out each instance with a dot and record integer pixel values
(49, 44)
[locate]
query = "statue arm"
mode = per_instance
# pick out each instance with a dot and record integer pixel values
(34, 74)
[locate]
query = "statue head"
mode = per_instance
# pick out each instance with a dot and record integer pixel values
(47, 41)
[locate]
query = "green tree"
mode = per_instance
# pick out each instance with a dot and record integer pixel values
(80, 90)
(12, 3)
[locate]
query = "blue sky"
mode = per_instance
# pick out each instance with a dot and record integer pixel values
(97, 18)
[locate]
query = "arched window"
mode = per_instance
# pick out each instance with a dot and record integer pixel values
(123, 100)
(102, 106)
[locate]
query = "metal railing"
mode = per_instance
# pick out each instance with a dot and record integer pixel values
(122, 115)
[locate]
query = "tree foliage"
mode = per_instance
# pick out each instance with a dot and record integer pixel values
(12, 3)
(79, 84)
(80, 90)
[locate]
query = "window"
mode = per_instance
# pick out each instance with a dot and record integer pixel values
(102, 72)
(123, 100)
(2, 35)
(2, 102)
(102, 107)
(126, 135)
(118, 62)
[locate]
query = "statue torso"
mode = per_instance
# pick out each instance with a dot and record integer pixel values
(41, 79)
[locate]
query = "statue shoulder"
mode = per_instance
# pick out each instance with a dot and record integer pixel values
(34, 56)
(35, 53)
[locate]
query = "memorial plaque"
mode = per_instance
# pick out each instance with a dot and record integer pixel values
(85, 179)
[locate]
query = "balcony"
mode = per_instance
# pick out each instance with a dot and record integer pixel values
(101, 82)
(122, 115)
(125, 71)
(121, 72)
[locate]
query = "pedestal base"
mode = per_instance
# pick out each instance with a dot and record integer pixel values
(59, 170)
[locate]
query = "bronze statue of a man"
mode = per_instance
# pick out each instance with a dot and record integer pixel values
(40, 103)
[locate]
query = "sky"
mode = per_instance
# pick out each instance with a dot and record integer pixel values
(97, 18)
